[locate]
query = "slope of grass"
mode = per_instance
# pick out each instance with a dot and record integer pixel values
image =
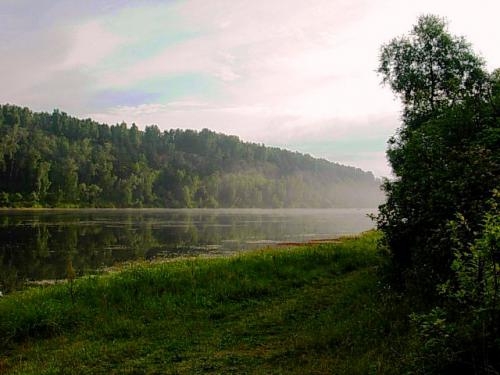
(306, 310)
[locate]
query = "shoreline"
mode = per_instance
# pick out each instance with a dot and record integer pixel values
(308, 310)
(121, 266)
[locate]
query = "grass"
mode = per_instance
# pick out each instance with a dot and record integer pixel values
(307, 310)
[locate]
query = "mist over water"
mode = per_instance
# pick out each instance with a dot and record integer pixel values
(38, 244)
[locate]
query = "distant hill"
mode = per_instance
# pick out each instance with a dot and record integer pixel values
(55, 160)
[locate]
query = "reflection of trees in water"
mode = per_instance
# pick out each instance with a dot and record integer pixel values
(39, 245)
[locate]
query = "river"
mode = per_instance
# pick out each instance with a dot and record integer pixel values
(40, 244)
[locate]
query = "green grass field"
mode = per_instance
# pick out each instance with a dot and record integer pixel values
(303, 310)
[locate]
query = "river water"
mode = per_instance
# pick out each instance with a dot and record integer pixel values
(40, 244)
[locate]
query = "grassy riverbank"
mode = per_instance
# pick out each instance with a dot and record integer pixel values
(304, 310)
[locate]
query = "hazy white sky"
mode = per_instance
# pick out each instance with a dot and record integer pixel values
(298, 74)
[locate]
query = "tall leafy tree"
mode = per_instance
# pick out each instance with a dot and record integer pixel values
(443, 157)
(430, 69)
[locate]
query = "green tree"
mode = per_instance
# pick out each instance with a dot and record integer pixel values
(430, 69)
(441, 218)
(42, 182)
(444, 157)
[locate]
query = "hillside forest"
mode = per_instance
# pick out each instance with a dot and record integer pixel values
(55, 160)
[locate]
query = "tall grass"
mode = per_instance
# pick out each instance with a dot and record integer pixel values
(310, 309)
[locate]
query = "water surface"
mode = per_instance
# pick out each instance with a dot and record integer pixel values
(40, 244)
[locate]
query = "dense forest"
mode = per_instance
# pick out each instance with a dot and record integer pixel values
(55, 160)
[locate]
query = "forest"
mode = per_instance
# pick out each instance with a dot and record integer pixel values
(55, 160)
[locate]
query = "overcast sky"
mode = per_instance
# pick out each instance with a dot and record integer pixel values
(298, 74)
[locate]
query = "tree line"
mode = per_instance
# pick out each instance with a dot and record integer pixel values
(55, 160)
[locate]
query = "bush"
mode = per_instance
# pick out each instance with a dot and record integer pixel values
(464, 333)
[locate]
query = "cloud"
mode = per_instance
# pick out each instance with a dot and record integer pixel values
(296, 74)
(27, 65)
(90, 44)
(235, 39)
(42, 51)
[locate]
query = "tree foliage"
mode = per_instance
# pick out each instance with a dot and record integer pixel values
(56, 160)
(445, 156)
(438, 221)
(430, 69)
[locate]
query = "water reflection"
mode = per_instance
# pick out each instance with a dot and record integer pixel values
(38, 245)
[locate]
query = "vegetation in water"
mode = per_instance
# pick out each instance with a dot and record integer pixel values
(54, 160)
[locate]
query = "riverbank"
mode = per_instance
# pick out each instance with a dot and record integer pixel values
(310, 309)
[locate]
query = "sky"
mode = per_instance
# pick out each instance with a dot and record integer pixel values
(296, 74)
